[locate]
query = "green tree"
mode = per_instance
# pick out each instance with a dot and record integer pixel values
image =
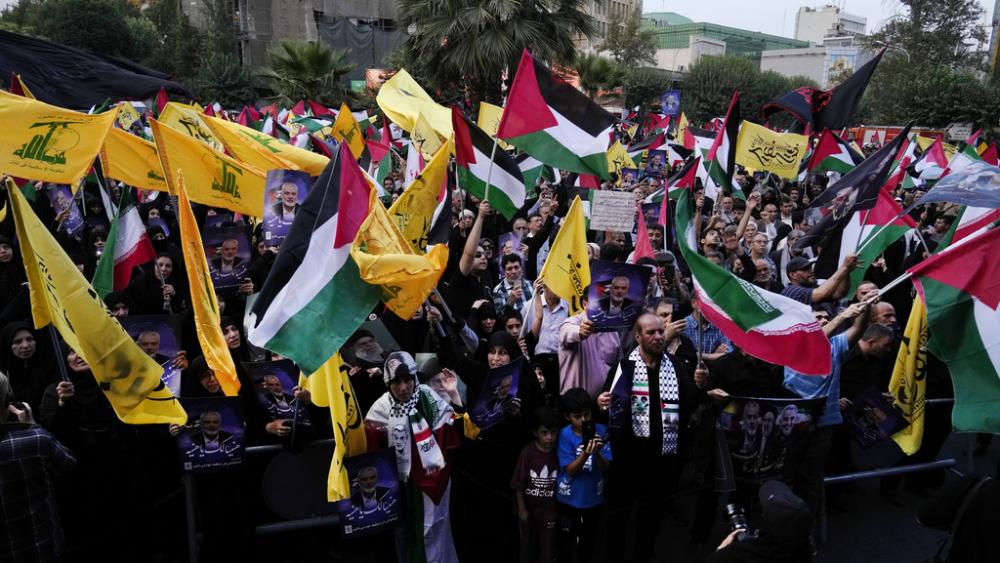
(473, 43)
(180, 48)
(643, 85)
(703, 98)
(307, 71)
(221, 30)
(628, 42)
(106, 27)
(597, 73)
(223, 79)
(930, 72)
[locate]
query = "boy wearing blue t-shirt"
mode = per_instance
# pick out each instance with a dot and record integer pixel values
(580, 489)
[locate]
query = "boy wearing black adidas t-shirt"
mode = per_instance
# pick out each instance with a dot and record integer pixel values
(534, 481)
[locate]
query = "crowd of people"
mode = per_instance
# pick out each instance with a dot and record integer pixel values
(552, 472)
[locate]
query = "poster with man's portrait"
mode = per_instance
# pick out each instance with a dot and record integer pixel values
(629, 176)
(375, 501)
(499, 389)
(670, 102)
(70, 221)
(509, 243)
(274, 383)
(227, 250)
(213, 438)
(617, 291)
(285, 190)
(656, 164)
(873, 418)
(764, 433)
(159, 336)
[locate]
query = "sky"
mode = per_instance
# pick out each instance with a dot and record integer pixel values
(777, 17)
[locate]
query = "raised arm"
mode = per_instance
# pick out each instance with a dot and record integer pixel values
(838, 284)
(472, 242)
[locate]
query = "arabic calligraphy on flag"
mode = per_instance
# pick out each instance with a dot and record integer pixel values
(759, 148)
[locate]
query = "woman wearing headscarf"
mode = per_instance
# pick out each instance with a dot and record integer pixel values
(486, 464)
(27, 361)
(420, 427)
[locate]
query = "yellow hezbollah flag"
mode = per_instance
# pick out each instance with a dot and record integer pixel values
(567, 268)
(759, 148)
(908, 385)
(425, 138)
(413, 211)
(247, 150)
(212, 178)
(489, 121)
(127, 115)
(49, 143)
(346, 130)
(306, 160)
(187, 120)
(403, 100)
(61, 296)
(203, 300)
(682, 126)
(618, 158)
(330, 387)
(133, 160)
(385, 259)
(925, 143)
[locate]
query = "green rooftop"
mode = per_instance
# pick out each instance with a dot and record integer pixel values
(673, 31)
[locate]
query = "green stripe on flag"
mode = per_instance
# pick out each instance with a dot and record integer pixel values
(956, 339)
(499, 199)
(547, 149)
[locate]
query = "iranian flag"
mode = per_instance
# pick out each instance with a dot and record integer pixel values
(833, 155)
(721, 156)
(765, 325)
(314, 297)
(873, 231)
(128, 246)
(960, 289)
(486, 171)
(554, 122)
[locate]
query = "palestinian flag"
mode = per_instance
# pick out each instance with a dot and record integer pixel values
(722, 156)
(907, 154)
(554, 122)
(765, 325)
(931, 165)
(650, 142)
(969, 221)
(314, 298)
(962, 158)
(473, 151)
(960, 290)
(128, 246)
(833, 155)
(532, 170)
(876, 229)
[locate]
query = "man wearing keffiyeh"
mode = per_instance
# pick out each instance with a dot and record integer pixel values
(650, 397)
(419, 425)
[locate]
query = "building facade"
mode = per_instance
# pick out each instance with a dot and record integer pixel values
(815, 24)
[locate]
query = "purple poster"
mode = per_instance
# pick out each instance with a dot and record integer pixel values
(68, 218)
(498, 390)
(873, 418)
(616, 295)
(764, 433)
(285, 190)
(375, 501)
(159, 338)
(213, 438)
(227, 250)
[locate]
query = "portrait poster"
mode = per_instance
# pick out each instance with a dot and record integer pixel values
(274, 383)
(873, 418)
(285, 190)
(499, 389)
(656, 164)
(629, 176)
(376, 500)
(509, 243)
(617, 292)
(62, 201)
(670, 102)
(160, 337)
(213, 438)
(227, 250)
(764, 433)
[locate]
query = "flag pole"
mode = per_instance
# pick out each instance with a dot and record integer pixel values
(894, 283)
(489, 172)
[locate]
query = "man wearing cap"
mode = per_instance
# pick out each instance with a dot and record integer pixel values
(416, 423)
(802, 282)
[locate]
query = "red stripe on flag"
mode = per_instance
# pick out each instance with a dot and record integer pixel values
(354, 198)
(526, 110)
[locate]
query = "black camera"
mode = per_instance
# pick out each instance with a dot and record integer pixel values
(589, 432)
(738, 521)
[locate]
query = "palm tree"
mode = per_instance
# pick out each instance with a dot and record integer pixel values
(307, 71)
(597, 73)
(477, 42)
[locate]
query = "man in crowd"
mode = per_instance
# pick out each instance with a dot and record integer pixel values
(513, 289)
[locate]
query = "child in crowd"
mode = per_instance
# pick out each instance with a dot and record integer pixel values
(534, 481)
(584, 455)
